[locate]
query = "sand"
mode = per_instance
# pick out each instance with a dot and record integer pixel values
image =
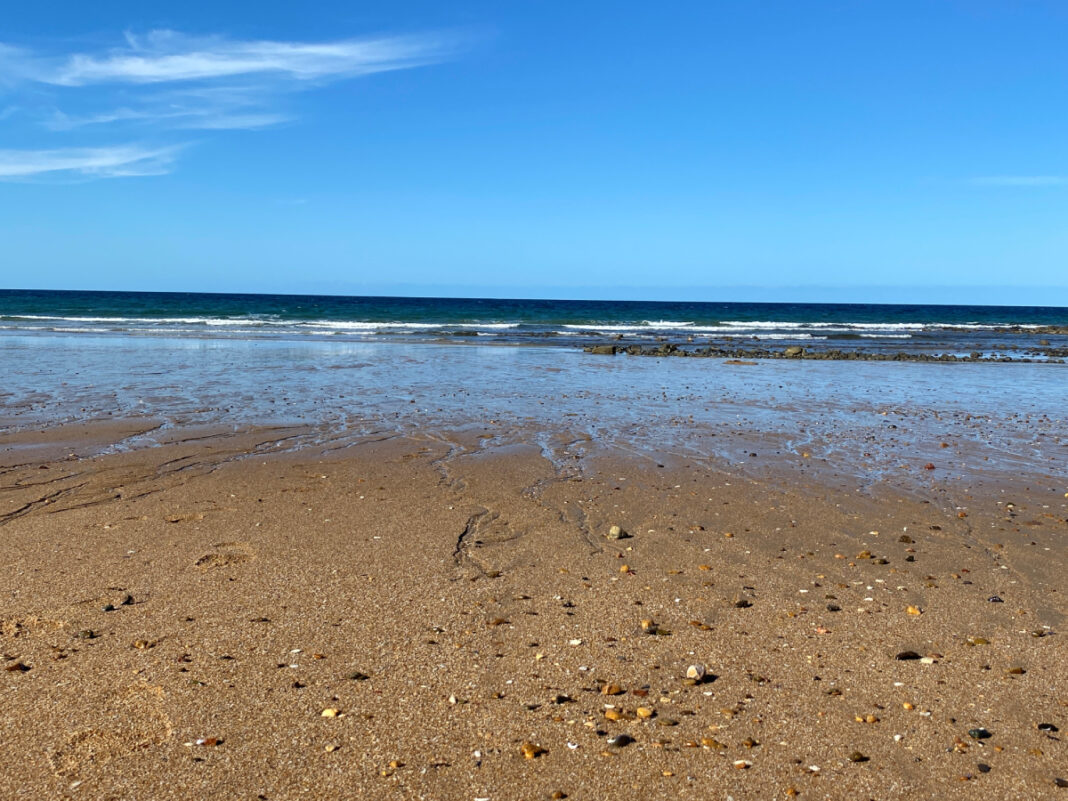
(436, 616)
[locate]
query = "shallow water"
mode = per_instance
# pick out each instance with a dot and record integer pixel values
(867, 422)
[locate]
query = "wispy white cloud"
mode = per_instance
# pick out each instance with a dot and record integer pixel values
(96, 162)
(165, 82)
(168, 56)
(1021, 180)
(207, 117)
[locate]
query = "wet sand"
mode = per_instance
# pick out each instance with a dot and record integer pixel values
(440, 613)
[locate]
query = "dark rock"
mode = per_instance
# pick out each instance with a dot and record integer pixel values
(907, 656)
(979, 734)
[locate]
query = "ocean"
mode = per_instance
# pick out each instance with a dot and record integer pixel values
(341, 369)
(989, 330)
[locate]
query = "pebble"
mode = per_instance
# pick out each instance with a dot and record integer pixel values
(357, 675)
(979, 734)
(645, 712)
(617, 533)
(742, 764)
(695, 672)
(611, 689)
(907, 655)
(531, 751)
(620, 740)
(856, 756)
(330, 713)
(913, 610)
(1047, 727)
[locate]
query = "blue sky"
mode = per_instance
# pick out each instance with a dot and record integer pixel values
(806, 149)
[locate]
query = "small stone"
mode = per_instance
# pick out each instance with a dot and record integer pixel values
(904, 656)
(995, 599)
(331, 748)
(557, 795)
(913, 610)
(1015, 671)
(617, 533)
(713, 743)
(531, 751)
(17, 667)
(979, 734)
(742, 603)
(645, 712)
(330, 713)
(742, 764)
(87, 634)
(834, 608)
(611, 689)
(357, 675)
(108, 608)
(1047, 727)
(613, 714)
(620, 740)
(983, 767)
(696, 672)
(856, 756)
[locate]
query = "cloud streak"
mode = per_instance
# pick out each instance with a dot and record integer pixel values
(169, 56)
(94, 162)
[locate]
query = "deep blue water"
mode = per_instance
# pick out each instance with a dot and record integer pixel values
(554, 322)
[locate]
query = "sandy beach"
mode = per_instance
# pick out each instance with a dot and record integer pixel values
(439, 615)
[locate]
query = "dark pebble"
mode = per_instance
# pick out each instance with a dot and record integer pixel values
(983, 767)
(356, 675)
(1047, 727)
(995, 599)
(856, 756)
(834, 608)
(907, 655)
(109, 607)
(979, 734)
(620, 740)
